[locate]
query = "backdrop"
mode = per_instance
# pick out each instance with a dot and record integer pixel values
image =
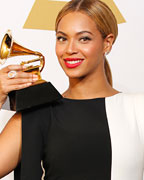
(32, 24)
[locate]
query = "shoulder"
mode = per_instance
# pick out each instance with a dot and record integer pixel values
(134, 99)
(15, 120)
(128, 97)
(127, 106)
(36, 120)
(14, 124)
(139, 106)
(137, 99)
(127, 102)
(36, 114)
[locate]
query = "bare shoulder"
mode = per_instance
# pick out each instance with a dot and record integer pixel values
(16, 117)
(14, 122)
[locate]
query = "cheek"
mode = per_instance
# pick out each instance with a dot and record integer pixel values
(91, 51)
(59, 50)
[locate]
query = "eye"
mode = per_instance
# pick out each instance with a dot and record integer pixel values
(61, 38)
(85, 39)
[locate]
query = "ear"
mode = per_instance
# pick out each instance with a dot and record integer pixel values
(108, 42)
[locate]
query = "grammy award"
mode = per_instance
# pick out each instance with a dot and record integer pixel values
(41, 92)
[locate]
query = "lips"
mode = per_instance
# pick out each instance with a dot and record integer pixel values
(73, 62)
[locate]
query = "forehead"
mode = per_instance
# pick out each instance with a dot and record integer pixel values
(76, 22)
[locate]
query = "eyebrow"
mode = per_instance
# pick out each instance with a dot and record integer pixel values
(78, 33)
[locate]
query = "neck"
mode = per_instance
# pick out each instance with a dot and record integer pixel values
(90, 86)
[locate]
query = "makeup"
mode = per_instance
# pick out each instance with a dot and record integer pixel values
(73, 62)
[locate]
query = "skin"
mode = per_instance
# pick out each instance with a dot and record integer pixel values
(78, 36)
(85, 82)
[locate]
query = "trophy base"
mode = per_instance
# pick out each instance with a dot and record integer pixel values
(36, 95)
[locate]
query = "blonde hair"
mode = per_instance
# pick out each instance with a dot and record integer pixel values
(102, 16)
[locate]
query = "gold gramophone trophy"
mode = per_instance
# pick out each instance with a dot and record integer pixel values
(41, 92)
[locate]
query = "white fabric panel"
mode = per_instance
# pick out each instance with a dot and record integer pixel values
(139, 109)
(126, 136)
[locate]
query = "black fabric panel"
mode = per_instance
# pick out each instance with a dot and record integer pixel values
(17, 172)
(36, 95)
(71, 137)
(34, 127)
(78, 142)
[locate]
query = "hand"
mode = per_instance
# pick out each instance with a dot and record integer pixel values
(20, 81)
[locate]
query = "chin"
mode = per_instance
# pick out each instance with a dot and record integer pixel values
(75, 75)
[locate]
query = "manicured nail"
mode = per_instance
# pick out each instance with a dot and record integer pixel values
(23, 67)
(35, 79)
(35, 76)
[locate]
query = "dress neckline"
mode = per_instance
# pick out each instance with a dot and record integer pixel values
(91, 99)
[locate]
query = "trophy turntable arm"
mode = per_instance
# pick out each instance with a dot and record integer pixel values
(41, 59)
(31, 61)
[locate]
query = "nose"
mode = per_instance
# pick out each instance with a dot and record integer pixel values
(71, 47)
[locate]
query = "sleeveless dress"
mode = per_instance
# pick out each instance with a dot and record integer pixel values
(87, 139)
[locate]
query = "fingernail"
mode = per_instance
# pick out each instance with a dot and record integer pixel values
(35, 76)
(23, 67)
(35, 79)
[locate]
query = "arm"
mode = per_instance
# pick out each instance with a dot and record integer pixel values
(10, 145)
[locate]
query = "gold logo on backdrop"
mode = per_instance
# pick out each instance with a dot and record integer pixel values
(44, 12)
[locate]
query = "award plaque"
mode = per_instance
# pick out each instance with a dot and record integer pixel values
(41, 92)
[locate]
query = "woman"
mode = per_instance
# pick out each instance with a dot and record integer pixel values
(94, 131)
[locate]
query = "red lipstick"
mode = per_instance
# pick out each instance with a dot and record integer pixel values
(73, 62)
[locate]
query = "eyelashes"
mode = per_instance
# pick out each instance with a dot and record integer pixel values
(81, 39)
(61, 38)
(85, 38)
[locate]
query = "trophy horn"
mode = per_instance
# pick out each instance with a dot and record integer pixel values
(9, 48)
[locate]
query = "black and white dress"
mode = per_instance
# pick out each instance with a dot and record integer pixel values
(87, 139)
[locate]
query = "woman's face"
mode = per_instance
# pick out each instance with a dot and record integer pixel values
(79, 45)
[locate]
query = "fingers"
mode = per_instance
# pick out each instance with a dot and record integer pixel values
(17, 87)
(20, 81)
(13, 68)
(20, 75)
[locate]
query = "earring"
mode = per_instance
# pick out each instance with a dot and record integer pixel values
(106, 53)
